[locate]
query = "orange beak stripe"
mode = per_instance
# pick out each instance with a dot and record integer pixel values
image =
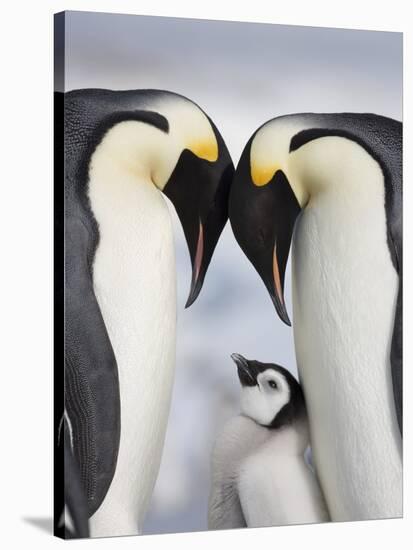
(276, 273)
(199, 251)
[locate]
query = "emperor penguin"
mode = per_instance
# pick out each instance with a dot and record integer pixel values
(259, 474)
(124, 150)
(333, 183)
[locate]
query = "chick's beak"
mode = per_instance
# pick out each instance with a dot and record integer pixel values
(245, 372)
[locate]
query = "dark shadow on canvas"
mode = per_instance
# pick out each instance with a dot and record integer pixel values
(44, 524)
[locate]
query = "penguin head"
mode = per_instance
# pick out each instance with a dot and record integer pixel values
(263, 208)
(199, 183)
(270, 395)
(289, 162)
(165, 140)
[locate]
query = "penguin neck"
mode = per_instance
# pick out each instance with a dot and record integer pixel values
(332, 165)
(128, 206)
(288, 440)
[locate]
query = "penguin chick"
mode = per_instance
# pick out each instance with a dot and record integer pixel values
(259, 474)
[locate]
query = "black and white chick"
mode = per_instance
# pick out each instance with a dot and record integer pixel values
(259, 474)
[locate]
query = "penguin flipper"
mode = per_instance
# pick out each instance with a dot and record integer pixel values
(92, 399)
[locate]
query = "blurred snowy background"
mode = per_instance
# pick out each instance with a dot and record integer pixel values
(241, 74)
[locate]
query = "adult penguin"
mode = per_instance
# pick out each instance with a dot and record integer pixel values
(122, 150)
(335, 181)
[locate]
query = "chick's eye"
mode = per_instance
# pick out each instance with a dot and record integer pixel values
(272, 384)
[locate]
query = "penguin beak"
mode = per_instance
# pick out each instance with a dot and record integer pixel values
(199, 191)
(263, 220)
(246, 373)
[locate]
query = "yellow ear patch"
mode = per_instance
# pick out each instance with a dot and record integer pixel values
(261, 175)
(205, 149)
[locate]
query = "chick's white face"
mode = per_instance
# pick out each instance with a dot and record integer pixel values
(264, 401)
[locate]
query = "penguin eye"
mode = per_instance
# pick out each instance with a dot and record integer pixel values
(272, 384)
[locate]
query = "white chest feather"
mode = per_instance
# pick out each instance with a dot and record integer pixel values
(344, 293)
(134, 282)
(260, 478)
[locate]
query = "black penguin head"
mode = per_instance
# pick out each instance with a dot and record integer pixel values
(199, 190)
(263, 210)
(270, 395)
